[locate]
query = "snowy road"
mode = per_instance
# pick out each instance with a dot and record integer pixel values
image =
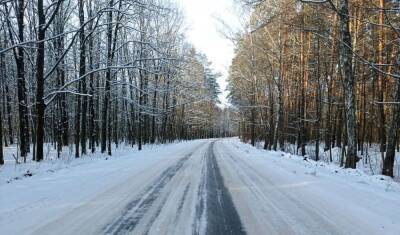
(200, 187)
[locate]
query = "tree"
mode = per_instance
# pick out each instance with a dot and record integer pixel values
(1, 141)
(21, 86)
(40, 56)
(105, 66)
(346, 56)
(323, 70)
(388, 163)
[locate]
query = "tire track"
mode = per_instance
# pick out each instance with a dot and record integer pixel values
(182, 201)
(200, 209)
(221, 214)
(136, 209)
(256, 180)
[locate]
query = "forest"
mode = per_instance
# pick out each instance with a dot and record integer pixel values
(200, 117)
(90, 75)
(316, 75)
(312, 77)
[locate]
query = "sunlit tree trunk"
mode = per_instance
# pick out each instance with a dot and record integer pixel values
(346, 55)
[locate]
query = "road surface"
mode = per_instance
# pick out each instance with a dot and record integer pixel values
(216, 187)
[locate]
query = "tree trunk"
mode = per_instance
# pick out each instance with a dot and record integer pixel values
(92, 132)
(346, 56)
(278, 132)
(1, 140)
(271, 134)
(82, 71)
(105, 117)
(381, 81)
(393, 134)
(2, 77)
(78, 121)
(318, 104)
(183, 131)
(140, 114)
(153, 120)
(166, 108)
(9, 115)
(22, 99)
(301, 115)
(132, 129)
(40, 105)
(253, 125)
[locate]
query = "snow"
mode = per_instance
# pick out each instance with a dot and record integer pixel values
(371, 162)
(163, 190)
(288, 195)
(61, 186)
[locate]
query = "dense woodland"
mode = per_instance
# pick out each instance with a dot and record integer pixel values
(94, 74)
(320, 74)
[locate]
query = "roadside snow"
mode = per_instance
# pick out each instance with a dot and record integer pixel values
(320, 168)
(168, 189)
(280, 193)
(370, 163)
(59, 186)
(13, 171)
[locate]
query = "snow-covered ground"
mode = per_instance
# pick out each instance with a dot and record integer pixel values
(12, 171)
(279, 193)
(61, 187)
(371, 159)
(197, 187)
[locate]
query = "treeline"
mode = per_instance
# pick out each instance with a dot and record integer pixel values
(95, 74)
(320, 74)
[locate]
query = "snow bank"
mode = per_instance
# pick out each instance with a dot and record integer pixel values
(57, 186)
(361, 175)
(370, 162)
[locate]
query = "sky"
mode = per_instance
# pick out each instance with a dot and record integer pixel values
(204, 32)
